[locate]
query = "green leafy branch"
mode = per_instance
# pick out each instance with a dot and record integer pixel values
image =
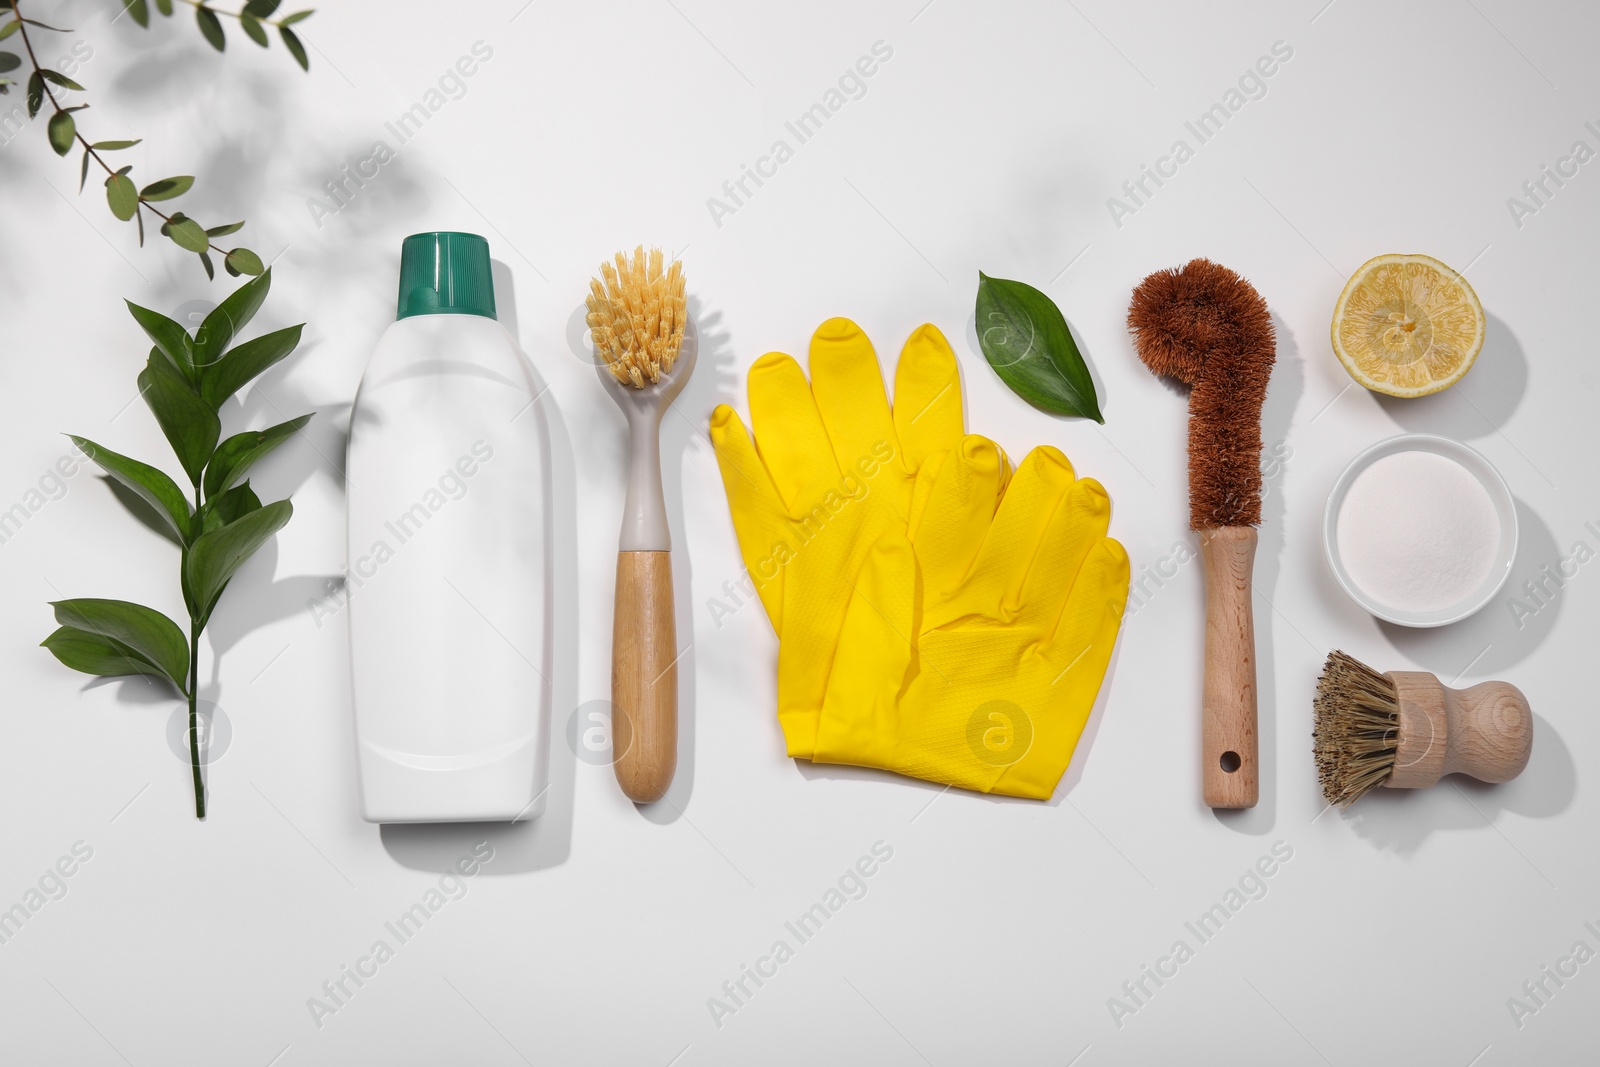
(185, 381)
(253, 18)
(127, 201)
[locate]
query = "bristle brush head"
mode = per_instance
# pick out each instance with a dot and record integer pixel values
(1357, 730)
(637, 312)
(1208, 328)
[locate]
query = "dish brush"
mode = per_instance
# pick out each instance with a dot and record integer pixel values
(1406, 730)
(645, 344)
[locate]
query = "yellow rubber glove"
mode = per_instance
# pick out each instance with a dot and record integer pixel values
(976, 641)
(831, 469)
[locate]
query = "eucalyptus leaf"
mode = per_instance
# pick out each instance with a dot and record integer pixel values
(62, 131)
(164, 6)
(223, 324)
(292, 43)
(83, 171)
(235, 455)
(114, 146)
(243, 362)
(171, 339)
(187, 234)
(138, 10)
(244, 261)
(215, 556)
(1026, 340)
(167, 188)
(35, 94)
(93, 653)
(261, 9)
(211, 271)
(223, 231)
(9, 61)
(156, 638)
(298, 16)
(210, 27)
(253, 30)
(190, 424)
(55, 77)
(9, 28)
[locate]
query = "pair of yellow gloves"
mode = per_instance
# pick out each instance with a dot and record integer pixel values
(938, 615)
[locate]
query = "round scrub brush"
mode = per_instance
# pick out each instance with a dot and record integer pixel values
(641, 329)
(1206, 327)
(1406, 730)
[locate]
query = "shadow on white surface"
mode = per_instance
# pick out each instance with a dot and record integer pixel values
(1402, 820)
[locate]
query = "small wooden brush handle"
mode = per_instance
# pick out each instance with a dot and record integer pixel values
(1485, 731)
(644, 676)
(1230, 774)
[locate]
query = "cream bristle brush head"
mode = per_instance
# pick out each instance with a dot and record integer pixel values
(636, 316)
(645, 346)
(1406, 730)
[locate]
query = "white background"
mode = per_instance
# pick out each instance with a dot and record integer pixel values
(999, 930)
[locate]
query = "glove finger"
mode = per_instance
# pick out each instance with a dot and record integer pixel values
(1087, 628)
(754, 504)
(927, 396)
(848, 387)
(1019, 528)
(789, 433)
(1079, 523)
(859, 723)
(959, 509)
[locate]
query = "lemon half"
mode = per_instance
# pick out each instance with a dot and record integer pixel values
(1407, 325)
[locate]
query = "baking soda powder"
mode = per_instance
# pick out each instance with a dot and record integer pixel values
(1418, 532)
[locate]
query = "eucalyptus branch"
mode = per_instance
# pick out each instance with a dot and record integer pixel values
(127, 201)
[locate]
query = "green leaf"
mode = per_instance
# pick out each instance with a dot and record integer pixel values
(164, 6)
(235, 455)
(296, 49)
(205, 261)
(1026, 340)
(9, 61)
(225, 321)
(122, 196)
(35, 94)
(114, 146)
(187, 234)
(153, 636)
(244, 261)
(298, 16)
(210, 28)
(190, 424)
(83, 172)
(252, 29)
(230, 373)
(94, 654)
(167, 188)
(231, 506)
(57, 78)
(171, 339)
(214, 557)
(223, 231)
(139, 10)
(9, 28)
(261, 9)
(62, 130)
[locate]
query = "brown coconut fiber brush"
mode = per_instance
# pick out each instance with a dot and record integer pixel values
(1406, 730)
(1206, 327)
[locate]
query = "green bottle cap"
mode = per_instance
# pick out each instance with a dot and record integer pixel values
(445, 273)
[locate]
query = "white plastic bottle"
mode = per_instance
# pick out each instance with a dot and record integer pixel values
(448, 575)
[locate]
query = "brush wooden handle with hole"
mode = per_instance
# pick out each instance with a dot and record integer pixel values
(1485, 731)
(644, 676)
(1230, 774)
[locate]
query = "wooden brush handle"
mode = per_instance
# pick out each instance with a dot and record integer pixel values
(1485, 731)
(644, 676)
(1228, 707)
